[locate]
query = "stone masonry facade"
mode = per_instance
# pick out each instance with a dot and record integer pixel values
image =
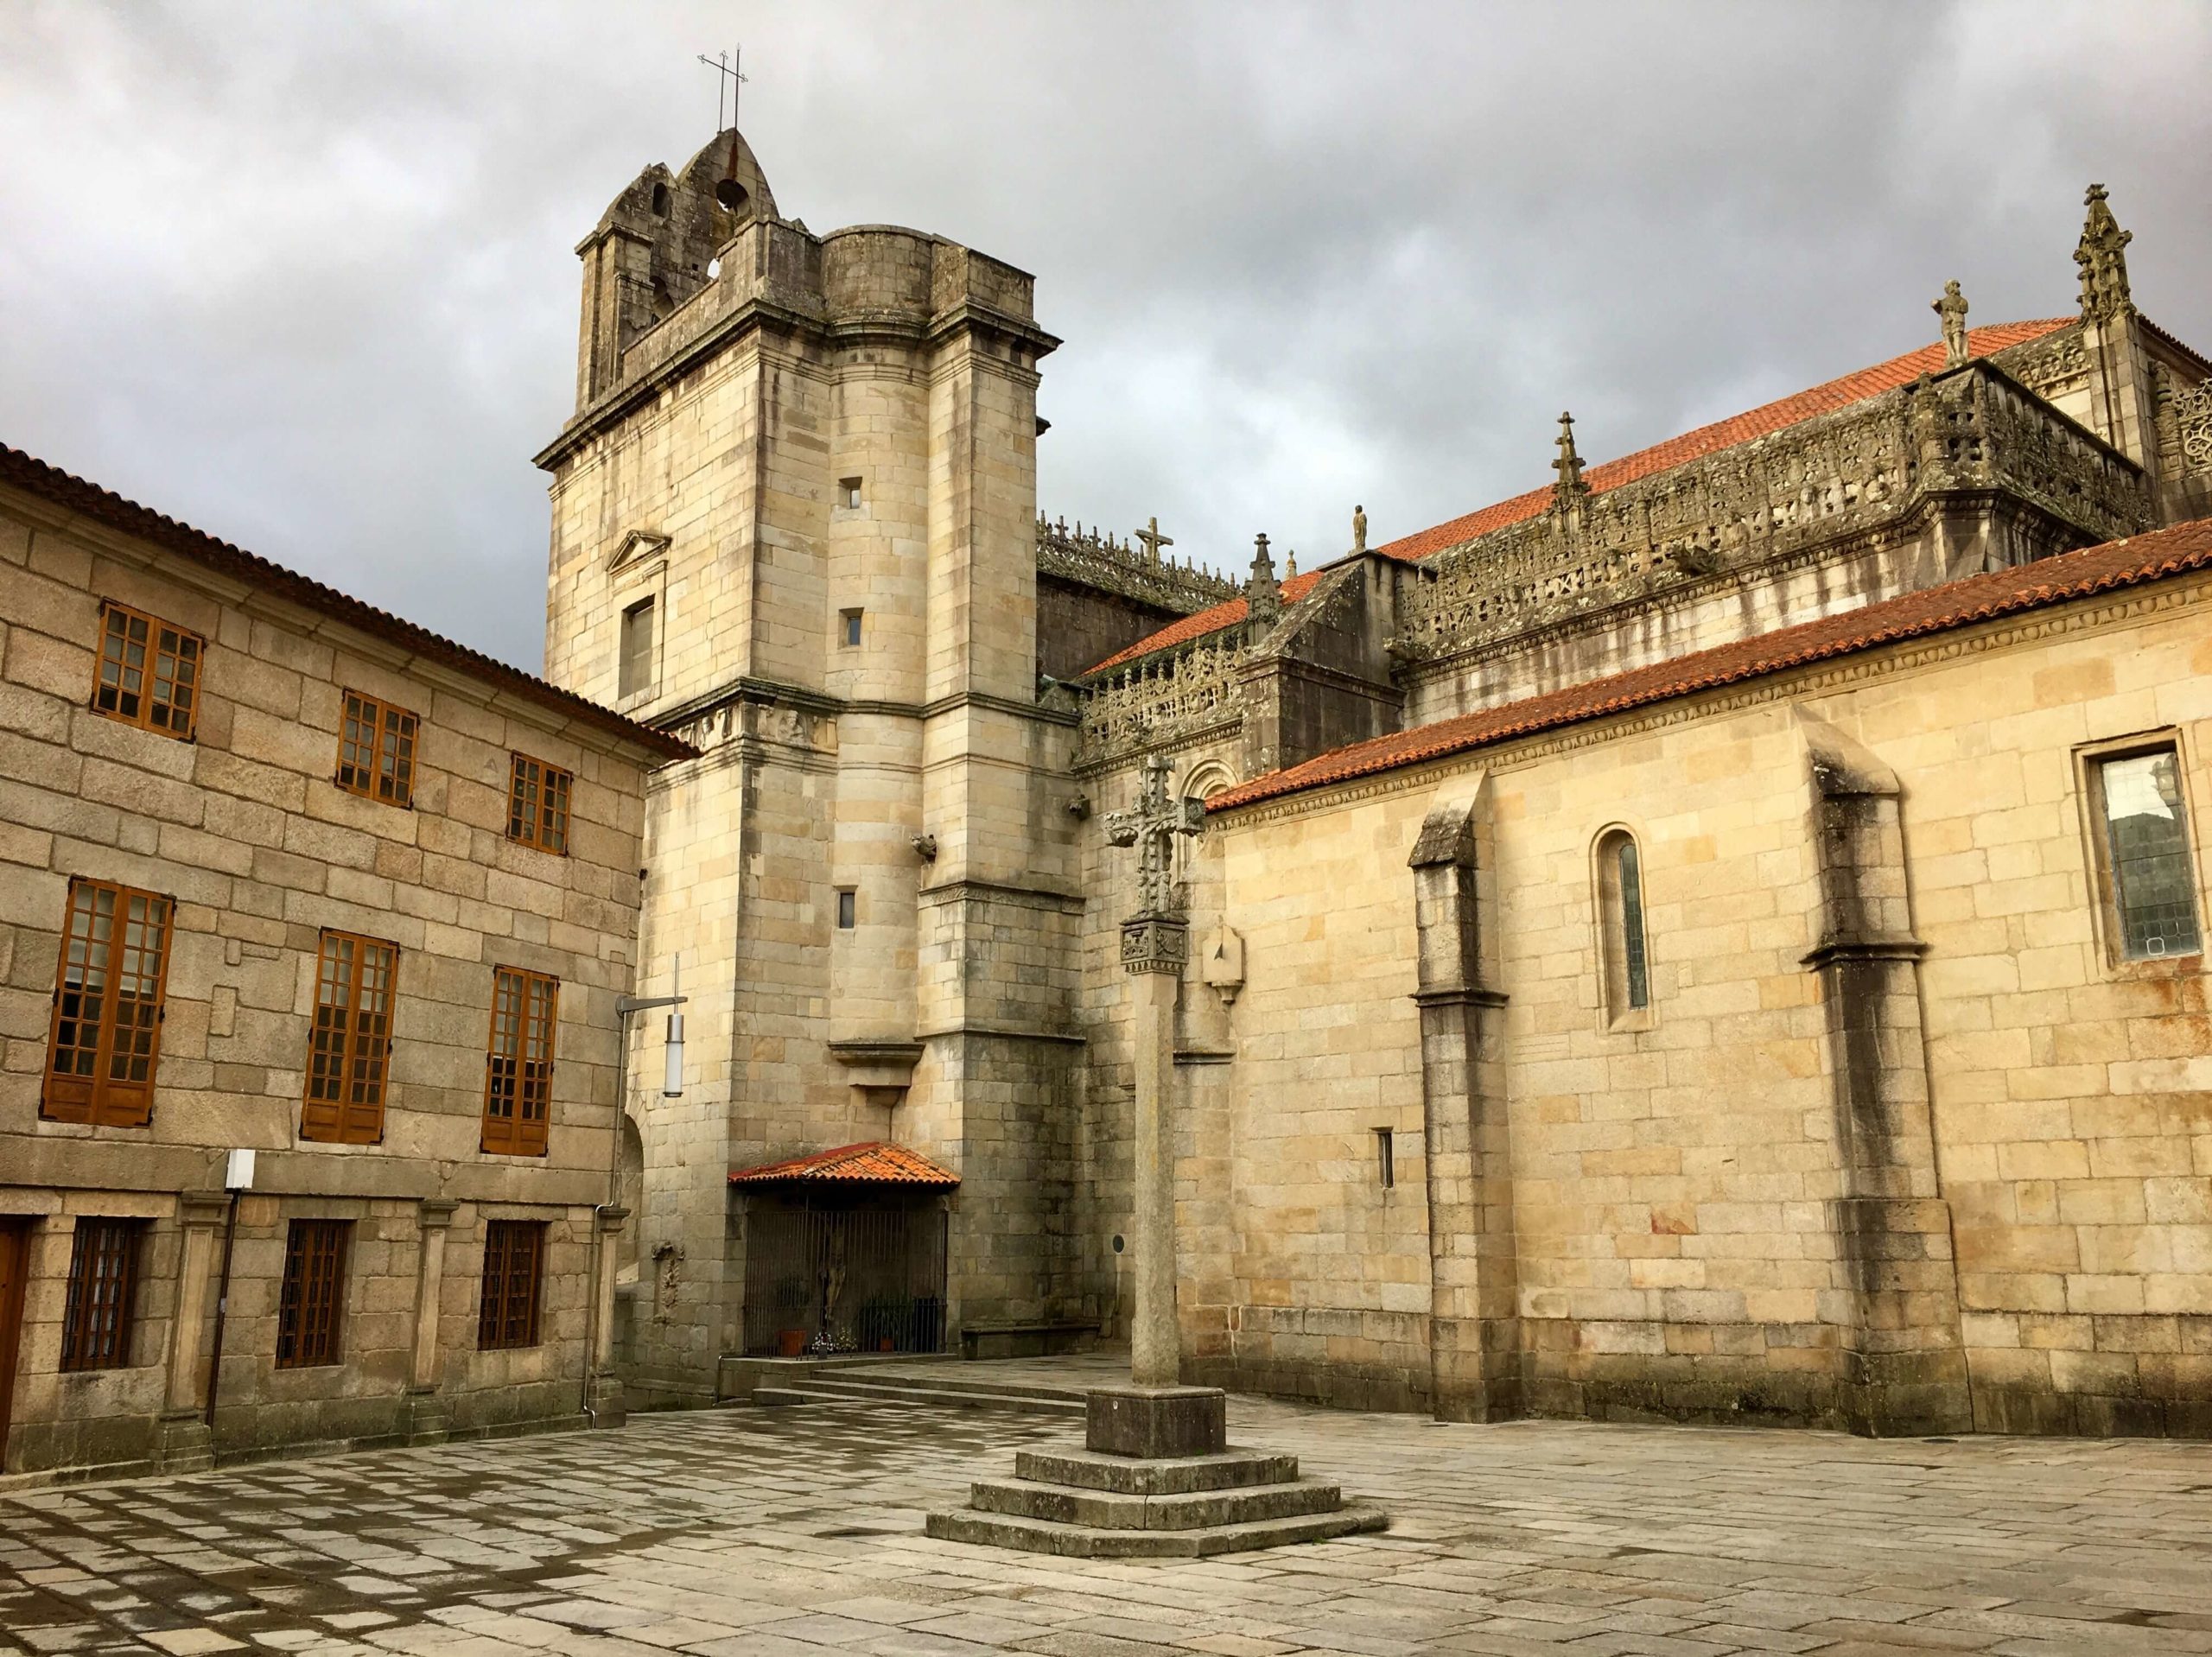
(229, 816)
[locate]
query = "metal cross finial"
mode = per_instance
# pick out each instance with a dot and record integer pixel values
(1154, 541)
(1151, 826)
(725, 65)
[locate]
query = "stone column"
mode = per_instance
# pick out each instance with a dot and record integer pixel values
(1907, 1367)
(1474, 1322)
(1153, 948)
(424, 1413)
(604, 1396)
(185, 1443)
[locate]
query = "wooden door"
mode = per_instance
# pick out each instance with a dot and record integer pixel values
(14, 1262)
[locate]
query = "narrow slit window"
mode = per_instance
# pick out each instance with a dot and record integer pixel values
(148, 672)
(349, 1050)
(1620, 907)
(105, 1040)
(847, 910)
(95, 1319)
(2150, 876)
(848, 493)
(537, 804)
(848, 628)
(635, 672)
(518, 1067)
(311, 1305)
(1386, 1163)
(514, 1266)
(376, 751)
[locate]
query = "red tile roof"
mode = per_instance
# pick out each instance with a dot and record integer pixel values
(876, 1163)
(88, 500)
(1690, 446)
(2052, 580)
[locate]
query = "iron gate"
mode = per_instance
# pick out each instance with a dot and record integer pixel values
(830, 1272)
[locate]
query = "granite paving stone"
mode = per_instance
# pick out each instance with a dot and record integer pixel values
(797, 1533)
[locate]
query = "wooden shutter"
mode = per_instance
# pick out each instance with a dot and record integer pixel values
(102, 1284)
(312, 1303)
(514, 1261)
(105, 1040)
(349, 1050)
(518, 1062)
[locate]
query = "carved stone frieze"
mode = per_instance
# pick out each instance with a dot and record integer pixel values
(1160, 697)
(1863, 466)
(1093, 559)
(2192, 412)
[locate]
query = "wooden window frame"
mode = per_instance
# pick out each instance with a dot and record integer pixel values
(311, 1305)
(514, 1277)
(518, 1087)
(171, 660)
(539, 795)
(349, 1044)
(99, 1317)
(90, 1091)
(378, 742)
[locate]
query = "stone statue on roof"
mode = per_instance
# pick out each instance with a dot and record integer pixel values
(1952, 308)
(1359, 529)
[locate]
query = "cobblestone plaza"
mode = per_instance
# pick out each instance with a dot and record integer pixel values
(777, 1533)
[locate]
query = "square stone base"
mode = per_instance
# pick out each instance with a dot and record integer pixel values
(1153, 1422)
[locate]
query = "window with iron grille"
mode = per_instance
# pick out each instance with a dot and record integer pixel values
(349, 1050)
(102, 1284)
(107, 1006)
(312, 1305)
(514, 1266)
(148, 673)
(376, 751)
(2149, 878)
(537, 804)
(518, 1068)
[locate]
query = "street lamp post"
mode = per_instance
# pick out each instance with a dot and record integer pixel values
(610, 1214)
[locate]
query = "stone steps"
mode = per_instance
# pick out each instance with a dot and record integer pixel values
(917, 1394)
(1068, 1504)
(1091, 1504)
(1086, 1542)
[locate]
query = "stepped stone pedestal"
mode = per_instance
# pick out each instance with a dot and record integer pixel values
(1156, 1479)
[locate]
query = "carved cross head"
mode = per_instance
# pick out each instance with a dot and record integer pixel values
(1151, 826)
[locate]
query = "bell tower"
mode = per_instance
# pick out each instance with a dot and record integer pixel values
(794, 522)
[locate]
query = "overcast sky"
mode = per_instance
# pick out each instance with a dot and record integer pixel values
(302, 275)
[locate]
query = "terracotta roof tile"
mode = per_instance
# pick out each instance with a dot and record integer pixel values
(1675, 451)
(88, 500)
(1957, 604)
(876, 1163)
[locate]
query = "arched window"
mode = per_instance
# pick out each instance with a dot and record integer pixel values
(1624, 967)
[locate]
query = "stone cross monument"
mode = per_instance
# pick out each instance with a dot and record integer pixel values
(1155, 1477)
(1155, 943)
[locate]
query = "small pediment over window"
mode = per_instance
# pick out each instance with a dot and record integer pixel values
(639, 546)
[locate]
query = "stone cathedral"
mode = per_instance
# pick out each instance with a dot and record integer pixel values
(1718, 935)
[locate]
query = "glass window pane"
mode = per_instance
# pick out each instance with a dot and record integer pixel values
(2154, 886)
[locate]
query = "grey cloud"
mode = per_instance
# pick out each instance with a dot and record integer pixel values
(303, 277)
